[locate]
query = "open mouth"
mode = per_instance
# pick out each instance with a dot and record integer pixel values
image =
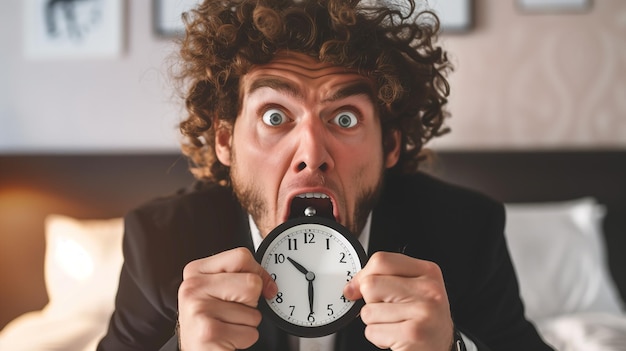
(319, 201)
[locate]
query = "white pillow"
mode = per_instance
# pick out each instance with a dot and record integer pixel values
(82, 261)
(43, 331)
(558, 252)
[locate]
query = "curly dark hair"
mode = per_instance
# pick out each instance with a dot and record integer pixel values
(392, 45)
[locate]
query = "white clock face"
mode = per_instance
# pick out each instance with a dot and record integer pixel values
(311, 264)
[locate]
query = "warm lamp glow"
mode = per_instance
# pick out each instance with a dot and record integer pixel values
(24, 204)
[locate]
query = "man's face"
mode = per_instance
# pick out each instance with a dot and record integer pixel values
(307, 134)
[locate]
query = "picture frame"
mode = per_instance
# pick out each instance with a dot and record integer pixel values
(554, 6)
(167, 16)
(76, 29)
(455, 16)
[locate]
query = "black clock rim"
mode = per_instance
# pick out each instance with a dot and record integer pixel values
(327, 329)
(352, 239)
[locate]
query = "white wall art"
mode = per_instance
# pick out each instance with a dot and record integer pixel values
(74, 29)
(455, 15)
(167, 16)
(554, 5)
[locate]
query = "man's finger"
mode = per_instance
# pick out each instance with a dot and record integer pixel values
(239, 260)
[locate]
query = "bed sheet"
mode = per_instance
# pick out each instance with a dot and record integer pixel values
(585, 332)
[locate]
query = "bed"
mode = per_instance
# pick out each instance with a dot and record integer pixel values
(60, 235)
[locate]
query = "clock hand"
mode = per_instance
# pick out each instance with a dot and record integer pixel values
(298, 265)
(310, 294)
(310, 276)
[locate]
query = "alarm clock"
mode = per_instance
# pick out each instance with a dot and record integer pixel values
(311, 259)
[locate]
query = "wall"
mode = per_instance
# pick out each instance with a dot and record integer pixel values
(531, 81)
(87, 105)
(539, 81)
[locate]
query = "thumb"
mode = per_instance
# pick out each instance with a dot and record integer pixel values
(352, 290)
(270, 289)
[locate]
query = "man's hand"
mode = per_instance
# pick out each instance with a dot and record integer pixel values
(217, 301)
(406, 304)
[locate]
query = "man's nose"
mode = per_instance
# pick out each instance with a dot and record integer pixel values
(312, 153)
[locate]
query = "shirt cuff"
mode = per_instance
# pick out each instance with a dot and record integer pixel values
(469, 344)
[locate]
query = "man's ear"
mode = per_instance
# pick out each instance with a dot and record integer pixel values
(223, 143)
(392, 144)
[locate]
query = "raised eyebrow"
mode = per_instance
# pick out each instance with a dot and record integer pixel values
(276, 84)
(353, 89)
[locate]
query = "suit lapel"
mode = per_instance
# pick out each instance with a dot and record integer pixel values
(386, 233)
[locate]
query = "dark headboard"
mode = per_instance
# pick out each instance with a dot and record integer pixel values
(105, 186)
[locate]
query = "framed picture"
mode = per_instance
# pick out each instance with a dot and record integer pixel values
(167, 16)
(73, 29)
(455, 15)
(554, 5)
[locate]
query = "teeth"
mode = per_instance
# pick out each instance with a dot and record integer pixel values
(313, 196)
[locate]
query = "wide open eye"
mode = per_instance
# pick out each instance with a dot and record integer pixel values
(346, 119)
(274, 117)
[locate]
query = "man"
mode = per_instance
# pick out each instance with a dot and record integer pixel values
(336, 99)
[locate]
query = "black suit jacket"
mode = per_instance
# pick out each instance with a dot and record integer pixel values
(460, 230)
